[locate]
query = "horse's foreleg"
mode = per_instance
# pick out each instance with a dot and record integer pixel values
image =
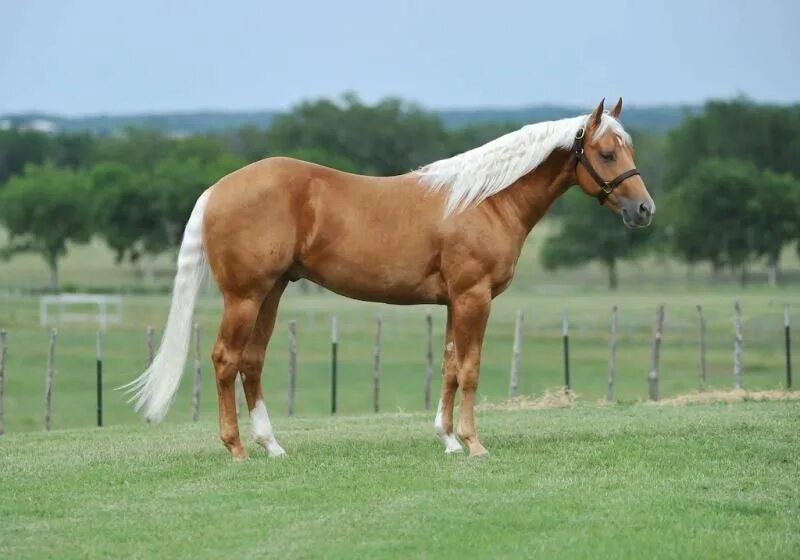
(443, 424)
(470, 314)
(251, 366)
(238, 319)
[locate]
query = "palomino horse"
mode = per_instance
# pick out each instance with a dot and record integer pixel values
(449, 233)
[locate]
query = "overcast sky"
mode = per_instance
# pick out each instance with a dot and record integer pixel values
(93, 56)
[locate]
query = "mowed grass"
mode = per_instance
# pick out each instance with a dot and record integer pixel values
(631, 481)
(404, 352)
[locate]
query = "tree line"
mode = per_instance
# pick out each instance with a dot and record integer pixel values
(725, 181)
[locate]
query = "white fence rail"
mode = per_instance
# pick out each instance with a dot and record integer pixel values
(108, 309)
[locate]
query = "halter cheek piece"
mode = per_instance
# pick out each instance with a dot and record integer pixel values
(606, 187)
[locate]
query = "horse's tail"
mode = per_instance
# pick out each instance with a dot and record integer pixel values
(155, 388)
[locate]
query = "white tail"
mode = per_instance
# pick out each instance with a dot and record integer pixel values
(155, 388)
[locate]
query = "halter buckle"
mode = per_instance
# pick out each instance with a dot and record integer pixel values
(581, 133)
(606, 187)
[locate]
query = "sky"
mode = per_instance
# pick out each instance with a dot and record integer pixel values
(99, 56)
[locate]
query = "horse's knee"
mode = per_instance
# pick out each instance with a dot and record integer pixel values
(224, 363)
(468, 380)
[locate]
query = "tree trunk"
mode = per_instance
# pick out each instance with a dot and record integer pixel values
(716, 272)
(743, 276)
(613, 280)
(772, 274)
(52, 263)
(148, 269)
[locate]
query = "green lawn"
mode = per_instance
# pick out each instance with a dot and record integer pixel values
(631, 481)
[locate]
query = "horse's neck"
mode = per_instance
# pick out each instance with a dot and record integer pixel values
(529, 198)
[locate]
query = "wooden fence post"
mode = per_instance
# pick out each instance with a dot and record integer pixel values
(3, 348)
(292, 368)
(702, 347)
(196, 377)
(516, 351)
(786, 331)
(737, 345)
(150, 351)
(428, 360)
(376, 366)
(48, 382)
(99, 379)
(334, 359)
(612, 358)
(656, 351)
(565, 335)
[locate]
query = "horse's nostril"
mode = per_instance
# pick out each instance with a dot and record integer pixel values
(644, 209)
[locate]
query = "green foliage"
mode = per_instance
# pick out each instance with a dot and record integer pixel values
(248, 142)
(591, 233)
(766, 135)
(727, 212)
(43, 210)
(388, 138)
(139, 149)
(776, 214)
(128, 211)
(711, 212)
(19, 148)
(181, 181)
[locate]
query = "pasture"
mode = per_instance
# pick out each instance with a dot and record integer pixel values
(403, 356)
(541, 295)
(640, 480)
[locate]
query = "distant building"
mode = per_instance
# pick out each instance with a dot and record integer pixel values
(40, 125)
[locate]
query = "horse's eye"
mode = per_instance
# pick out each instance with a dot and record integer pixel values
(608, 156)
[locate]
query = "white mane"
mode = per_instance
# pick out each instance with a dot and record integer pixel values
(477, 174)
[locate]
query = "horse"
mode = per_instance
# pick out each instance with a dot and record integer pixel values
(448, 233)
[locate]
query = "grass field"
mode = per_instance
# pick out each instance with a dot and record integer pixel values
(635, 481)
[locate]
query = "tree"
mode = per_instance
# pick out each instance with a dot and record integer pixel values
(138, 148)
(765, 135)
(775, 213)
(128, 214)
(590, 233)
(19, 148)
(713, 214)
(388, 138)
(43, 210)
(180, 183)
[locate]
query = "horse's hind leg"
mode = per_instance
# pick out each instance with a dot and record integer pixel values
(238, 319)
(251, 366)
(443, 424)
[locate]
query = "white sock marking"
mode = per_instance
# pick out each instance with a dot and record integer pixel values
(450, 442)
(262, 430)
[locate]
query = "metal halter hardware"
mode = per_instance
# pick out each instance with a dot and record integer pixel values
(606, 187)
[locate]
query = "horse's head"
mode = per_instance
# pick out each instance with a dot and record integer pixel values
(605, 168)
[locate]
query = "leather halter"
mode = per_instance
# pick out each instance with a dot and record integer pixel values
(606, 187)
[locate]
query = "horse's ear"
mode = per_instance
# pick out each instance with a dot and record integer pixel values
(617, 110)
(597, 114)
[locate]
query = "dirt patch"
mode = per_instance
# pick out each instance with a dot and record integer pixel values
(729, 396)
(557, 397)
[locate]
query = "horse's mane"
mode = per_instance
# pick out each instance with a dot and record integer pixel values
(477, 174)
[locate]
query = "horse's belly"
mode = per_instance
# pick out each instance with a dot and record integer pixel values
(385, 278)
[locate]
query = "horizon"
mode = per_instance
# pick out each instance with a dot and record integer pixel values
(88, 57)
(499, 108)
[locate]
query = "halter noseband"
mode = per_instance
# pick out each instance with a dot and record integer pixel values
(606, 187)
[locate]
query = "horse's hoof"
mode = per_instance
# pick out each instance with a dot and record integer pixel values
(275, 451)
(478, 452)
